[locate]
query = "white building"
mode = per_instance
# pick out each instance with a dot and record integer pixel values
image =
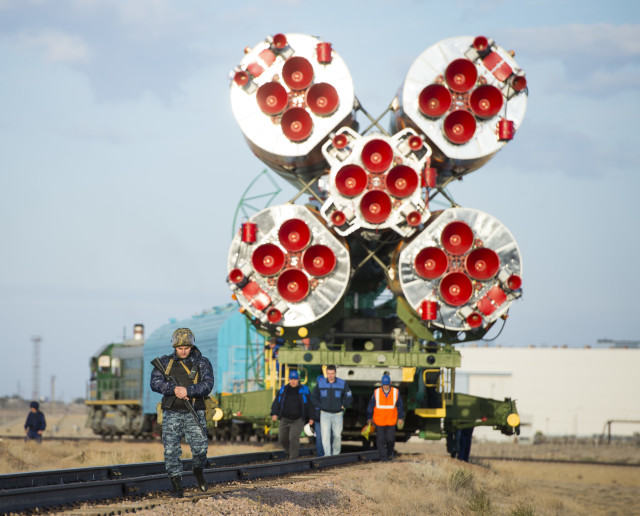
(558, 391)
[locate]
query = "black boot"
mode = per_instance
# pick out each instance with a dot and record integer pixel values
(177, 491)
(202, 483)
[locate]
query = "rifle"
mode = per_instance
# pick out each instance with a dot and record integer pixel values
(158, 365)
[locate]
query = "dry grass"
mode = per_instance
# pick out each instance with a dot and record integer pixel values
(428, 482)
(20, 456)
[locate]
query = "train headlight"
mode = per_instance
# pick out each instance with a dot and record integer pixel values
(513, 420)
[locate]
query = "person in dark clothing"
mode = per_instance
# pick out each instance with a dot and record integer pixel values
(194, 376)
(292, 406)
(459, 443)
(35, 423)
(386, 410)
(332, 395)
(318, 430)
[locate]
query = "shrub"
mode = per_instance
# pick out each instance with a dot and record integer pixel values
(461, 479)
(480, 503)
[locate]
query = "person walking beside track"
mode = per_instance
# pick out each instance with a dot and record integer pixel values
(332, 395)
(292, 406)
(386, 410)
(35, 423)
(187, 379)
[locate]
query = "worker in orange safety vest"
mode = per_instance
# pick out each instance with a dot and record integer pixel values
(386, 410)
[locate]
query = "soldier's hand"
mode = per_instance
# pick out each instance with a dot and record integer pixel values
(180, 392)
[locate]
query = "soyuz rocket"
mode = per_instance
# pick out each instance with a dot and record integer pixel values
(293, 268)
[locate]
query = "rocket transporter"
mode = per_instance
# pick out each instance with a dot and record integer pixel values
(366, 275)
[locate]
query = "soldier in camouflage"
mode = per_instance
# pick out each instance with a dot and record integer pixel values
(194, 377)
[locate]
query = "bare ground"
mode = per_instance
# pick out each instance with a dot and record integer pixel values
(423, 480)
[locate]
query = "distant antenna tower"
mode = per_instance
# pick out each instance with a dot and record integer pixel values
(36, 367)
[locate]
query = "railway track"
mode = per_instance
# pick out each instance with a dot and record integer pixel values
(45, 490)
(126, 439)
(480, 459)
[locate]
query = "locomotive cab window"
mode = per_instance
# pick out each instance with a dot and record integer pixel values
(115, 366)
(104, 363)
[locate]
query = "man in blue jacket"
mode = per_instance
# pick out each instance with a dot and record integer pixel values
(194, 376)
(292, 405)
(35, 423)
(332, 395)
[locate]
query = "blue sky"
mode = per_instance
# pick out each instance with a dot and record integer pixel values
(121, 164)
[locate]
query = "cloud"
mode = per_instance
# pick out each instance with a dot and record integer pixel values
(548, 147)
(599, 59)
(56, 46)
(143, 18)
(597, 41)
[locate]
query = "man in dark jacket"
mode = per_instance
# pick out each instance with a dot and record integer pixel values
(194, 377)
(35, 423)
(293, 407)
(332, 395)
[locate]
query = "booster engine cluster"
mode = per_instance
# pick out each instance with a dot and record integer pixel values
(290, 267)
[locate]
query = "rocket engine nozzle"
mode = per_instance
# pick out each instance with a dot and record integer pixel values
(272, 98)
(294, 235)
(461, 75)
(375, 206)
(279, 41)
(268, 259)
(482, 263)
(480, 43)
(459, 126)
(293, 285)
(323, 99)
(319, 260)
(351, 180)
(401, 181)
(431, 262)
(514, 282)
(486, 101)
(377, 156)
(434, 100)
(297, 73)
(456, 288)
(457, 237)
(296, 124)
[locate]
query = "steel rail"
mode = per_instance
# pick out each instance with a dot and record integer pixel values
(119, 485)
(124, 471)
(573, 462)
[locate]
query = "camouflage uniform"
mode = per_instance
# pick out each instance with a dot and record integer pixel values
(177, 421)
(174, 426)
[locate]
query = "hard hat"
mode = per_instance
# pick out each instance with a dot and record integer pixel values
(183, 337)
(386, 379)
(308, 430)
(294, 375)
